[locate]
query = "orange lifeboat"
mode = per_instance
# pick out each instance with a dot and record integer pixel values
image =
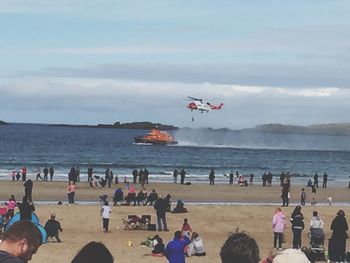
(156, 136)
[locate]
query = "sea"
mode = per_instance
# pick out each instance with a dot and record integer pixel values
(197, 151)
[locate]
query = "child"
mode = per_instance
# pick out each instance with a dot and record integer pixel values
(105, 212)
(302, 197)
(186, 228)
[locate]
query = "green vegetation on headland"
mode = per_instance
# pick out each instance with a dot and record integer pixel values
(330, 129)
(145, 125)
(3, 123)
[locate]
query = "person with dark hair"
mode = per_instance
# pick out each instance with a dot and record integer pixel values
(90, 171)
(174, 250)
(134, 176)
(316, 226)
(93, 252)
(182, 176)
(24, 173)
(325, 180)
(240, 248)
(20, 242)
(337, 242)
(118, 196)
(71, 192)
(297, 220)
(161, 206)
(211, 177)
(159, 248)
(52, 227)
(196, 247)
(153, 196)
(316, 180)
(175, 173)
(46, 172)
(28, 189)
(52, 172)
(25, 209)
(180, 207)
(105, 213)
(285, 194)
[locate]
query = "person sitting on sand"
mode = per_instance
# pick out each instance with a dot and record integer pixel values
(239, 248)
(159, 246)
(11, 205)
(179, 207)
(196, 247)
(52, 228)
(152, 197)
(186, 228)
(141, 197)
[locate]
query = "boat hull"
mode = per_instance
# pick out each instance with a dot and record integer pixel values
(153, 141)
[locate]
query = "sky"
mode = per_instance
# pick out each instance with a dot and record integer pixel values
(103, 61)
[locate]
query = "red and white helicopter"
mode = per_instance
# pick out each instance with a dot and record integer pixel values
(200, 105)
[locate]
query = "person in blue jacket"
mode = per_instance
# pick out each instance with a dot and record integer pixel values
(174, 250)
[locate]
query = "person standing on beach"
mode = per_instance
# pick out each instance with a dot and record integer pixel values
(24, 173)
(302, 197)
(297, 220)
(105, 213)
(51, 171)
(28, 189)
(175, 173)
(146, 174)
(90, 171)
(46, 172)
(316, 180)
(278, 225)
(25, 209)
(231, 178)
(38, 174)
(285, 194)
(337, 246)
(325, 179)
(161, 206)
(313, 190)
(211, 177)
(71, 192)
(183, 175)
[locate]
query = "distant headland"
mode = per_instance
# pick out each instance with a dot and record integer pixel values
(3, 123)
(145, 125)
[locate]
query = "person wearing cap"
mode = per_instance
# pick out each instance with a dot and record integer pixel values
(53, 227)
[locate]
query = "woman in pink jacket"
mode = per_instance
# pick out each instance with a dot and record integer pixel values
(278, 225)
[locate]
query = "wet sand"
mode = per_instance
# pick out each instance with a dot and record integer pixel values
(83, 223)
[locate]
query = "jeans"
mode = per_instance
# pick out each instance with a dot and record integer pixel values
(105, 224)
(161, 219)
(297, 238)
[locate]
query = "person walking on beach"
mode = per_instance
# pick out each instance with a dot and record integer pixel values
(297, 220)
(28, 189)
(71, 192)
(105, 213)
(337, 246)
(38, 174)
(183, 175)
(24, 173)
(313, 191)
(211, 177)
(316, 180)
(175, 173)
(251, 179)
(18, 176)
(278, 225)
(51, 171)
(325, 180)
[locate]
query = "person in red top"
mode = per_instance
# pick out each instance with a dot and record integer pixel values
(186, 228)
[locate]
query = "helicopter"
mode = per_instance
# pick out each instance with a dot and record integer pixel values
(201, 105)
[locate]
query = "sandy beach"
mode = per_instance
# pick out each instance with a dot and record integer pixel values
(82, 223)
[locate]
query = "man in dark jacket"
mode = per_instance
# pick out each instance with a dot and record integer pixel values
(152, 197)
(161, 206)
(52, 227)
(174, 250)
(25, 209)
(28, 189)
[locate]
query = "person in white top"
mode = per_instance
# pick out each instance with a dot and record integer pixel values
(105, 213)
(316, 225)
